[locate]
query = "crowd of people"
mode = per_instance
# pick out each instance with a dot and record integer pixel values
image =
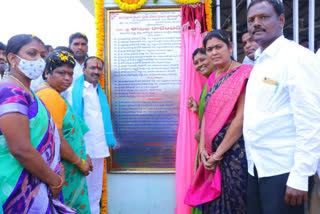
(259, 121)
(54, 163)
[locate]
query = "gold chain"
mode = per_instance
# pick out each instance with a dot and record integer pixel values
(22, 85)
(216, 76)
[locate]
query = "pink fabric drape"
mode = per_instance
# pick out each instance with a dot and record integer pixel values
(193, 24)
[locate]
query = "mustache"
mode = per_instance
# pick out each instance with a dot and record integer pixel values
(258, 28)
(95, 75)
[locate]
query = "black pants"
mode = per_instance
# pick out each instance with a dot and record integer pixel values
(266, 195)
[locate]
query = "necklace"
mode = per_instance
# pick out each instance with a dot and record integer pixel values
(22, 85)
(217, 75)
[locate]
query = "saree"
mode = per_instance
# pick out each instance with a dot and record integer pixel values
(75, 192)
(220, 106)
(198, 210)
(22, 192)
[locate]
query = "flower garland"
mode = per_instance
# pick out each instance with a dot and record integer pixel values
(99, 14)
(130, 5)
(208, 10)
(187, 1)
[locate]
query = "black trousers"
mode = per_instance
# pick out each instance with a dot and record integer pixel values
(266, 195)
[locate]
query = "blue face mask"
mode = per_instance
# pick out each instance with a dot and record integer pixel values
(32, 69)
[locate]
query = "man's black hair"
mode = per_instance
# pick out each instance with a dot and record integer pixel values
(277, 5)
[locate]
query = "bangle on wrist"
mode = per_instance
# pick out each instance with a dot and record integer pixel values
(60, 184)
(83, 163)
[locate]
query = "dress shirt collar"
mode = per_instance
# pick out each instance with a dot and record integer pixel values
(81, 65)
(88, 84)
(272, 49)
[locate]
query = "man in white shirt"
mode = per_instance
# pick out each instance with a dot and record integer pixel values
(315, 197)
(90, 102)
(249, 48)
(281, 115)
(78, 43)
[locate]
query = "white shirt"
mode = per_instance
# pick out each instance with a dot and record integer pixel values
(95, 140)
(247, 60)
(282, 123)
(77, 71)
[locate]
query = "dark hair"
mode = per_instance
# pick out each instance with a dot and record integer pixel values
(48, 46)
(2, 46)
(64, 48)
(219, 34)
(277, 5)
(198, 50)
(16, 42)
(91, 57)
(244, 30)
(57, 59)
(76, 36)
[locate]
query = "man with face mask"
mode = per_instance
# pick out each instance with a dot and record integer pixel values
(281, 115)
(3, 63)
(90, 102)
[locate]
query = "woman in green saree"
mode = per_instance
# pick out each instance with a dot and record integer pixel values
(58, 75)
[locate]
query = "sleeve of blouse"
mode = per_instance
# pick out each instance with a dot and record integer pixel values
(13, 99)
(55, 105)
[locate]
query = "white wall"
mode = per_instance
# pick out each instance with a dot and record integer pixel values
(51, 20)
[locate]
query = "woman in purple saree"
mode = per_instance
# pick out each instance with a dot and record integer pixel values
(31, 175)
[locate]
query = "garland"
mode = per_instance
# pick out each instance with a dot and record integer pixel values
(208, 10)
(187, 1)
(130, 5)
(99, 14)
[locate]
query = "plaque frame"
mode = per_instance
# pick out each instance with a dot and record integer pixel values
(108, 84)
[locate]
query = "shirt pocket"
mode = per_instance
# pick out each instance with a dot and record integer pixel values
(266, 94)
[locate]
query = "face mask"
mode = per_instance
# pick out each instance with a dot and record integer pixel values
(32, 69)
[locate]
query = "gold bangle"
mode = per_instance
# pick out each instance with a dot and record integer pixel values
(83, 163)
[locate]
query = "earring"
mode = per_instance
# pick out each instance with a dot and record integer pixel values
(13, 65)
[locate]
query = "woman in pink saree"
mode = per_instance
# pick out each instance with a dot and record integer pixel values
(221, 141)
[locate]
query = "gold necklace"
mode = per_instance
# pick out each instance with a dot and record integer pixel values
(22, 85)
(217, 75)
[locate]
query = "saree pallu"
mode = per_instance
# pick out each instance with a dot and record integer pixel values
(221, 101)
(75, 191)
(198, 210)
(233, 168)
(20, 191)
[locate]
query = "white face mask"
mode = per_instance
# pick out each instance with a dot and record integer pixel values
(32, 69)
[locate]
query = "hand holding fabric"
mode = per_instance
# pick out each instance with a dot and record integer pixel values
(192, 104)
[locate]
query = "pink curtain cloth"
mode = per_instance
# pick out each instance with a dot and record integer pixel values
(193, 26)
